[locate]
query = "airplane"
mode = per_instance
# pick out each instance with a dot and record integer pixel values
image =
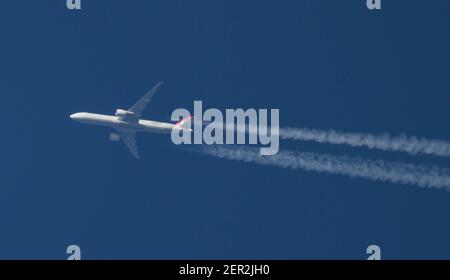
(128, 122)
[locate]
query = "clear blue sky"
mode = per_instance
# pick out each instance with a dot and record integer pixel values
(324, 64)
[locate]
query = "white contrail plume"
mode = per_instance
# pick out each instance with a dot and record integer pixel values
(385, 142)
(376, 170)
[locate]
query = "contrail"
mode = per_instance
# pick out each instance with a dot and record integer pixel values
(376, 170)
(409, 144)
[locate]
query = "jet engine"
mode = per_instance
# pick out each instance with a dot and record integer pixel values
(123, 113)
(114, 137)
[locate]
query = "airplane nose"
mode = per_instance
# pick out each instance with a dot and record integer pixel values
(73, 116)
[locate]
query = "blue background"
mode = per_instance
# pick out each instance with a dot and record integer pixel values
(325, 64)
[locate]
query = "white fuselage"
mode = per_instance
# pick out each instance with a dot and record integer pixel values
(118, 122)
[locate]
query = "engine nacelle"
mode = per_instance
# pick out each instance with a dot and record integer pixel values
(114, 137)
(123, 113)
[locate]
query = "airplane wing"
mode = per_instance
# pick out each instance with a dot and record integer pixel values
(140, 106)
(128, 137)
